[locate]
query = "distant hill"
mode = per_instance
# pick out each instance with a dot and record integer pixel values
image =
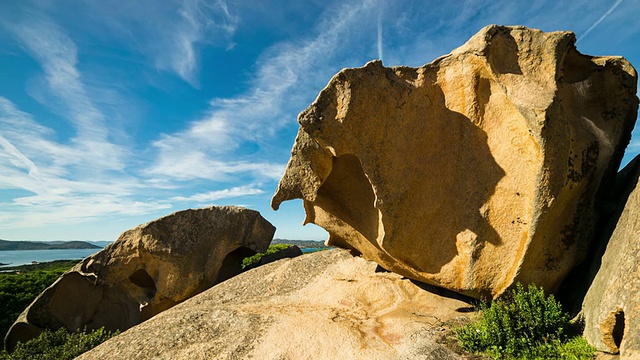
(100, 243)
(300, 243)
(45, 245)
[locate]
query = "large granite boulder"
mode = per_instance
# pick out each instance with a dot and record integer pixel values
(473, 172)
(325, 305)
(611, 308)
(147, 270)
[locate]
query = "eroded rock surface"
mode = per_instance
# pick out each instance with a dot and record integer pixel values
(473, 172)
(611, 307)
(147, 270)
(325, 305)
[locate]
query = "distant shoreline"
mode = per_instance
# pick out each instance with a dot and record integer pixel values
(7, 268)
(300, 243)
(6, 245)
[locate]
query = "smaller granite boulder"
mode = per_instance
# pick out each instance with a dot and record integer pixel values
(149, 269)
(611, 307)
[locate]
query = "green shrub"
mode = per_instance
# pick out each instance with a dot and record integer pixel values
(58, 345)
(20, 288)
(524, 324)
(255, 258)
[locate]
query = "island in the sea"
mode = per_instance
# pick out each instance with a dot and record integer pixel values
(45, 245)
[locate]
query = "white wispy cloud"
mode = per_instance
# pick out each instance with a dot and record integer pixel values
(197, 21)
(17, 159)
(32, 162)
(24, 140)
(181, 165)
(257, 115)
(601, 19)
(168, 34)
(77, 179)
(74, 209)
(85, 176)
(221, 194)
(57, 55)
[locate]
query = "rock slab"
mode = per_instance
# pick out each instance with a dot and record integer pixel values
(147, 270)
(478, 170)
(324, 305)
(611, 308)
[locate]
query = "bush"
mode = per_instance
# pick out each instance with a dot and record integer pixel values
(60, 344)
(19, 289)
(255, 258)
(525, 324)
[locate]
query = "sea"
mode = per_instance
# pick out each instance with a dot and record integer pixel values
(22, 257)
(310, 250)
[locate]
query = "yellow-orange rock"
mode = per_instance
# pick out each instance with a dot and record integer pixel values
(473, 172)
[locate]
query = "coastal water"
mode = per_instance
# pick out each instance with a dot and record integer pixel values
(310, 250)
(21, 257)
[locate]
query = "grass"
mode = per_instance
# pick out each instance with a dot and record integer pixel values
(525, 324)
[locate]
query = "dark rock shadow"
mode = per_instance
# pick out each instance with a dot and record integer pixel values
(449, 294)
(461, 177)
(503, 53)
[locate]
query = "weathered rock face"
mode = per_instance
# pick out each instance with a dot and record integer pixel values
(325, 305)
(473, 172)
(147, 270)
(611, 307)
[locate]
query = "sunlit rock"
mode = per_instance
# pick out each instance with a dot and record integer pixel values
(325, 305)
(473, 172)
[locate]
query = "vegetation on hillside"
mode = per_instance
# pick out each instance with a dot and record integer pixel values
(58, 345)
(20, 286)
(248, 261)
(525, 324)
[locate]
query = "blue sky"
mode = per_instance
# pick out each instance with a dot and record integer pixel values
(117, 112)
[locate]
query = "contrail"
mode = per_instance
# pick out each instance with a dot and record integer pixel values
(380, 36)
(599, 20)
